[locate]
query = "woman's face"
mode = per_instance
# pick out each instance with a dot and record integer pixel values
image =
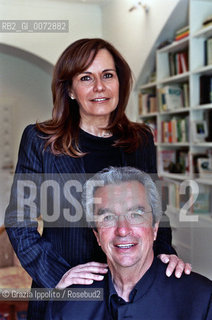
(96, 89)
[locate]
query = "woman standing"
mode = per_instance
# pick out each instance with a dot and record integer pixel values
(88, 132)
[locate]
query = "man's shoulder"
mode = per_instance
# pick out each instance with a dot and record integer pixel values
(194, 281)
(83, 302)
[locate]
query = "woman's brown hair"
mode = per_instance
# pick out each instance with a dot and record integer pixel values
(62, 131)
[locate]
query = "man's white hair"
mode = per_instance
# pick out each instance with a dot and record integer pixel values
(116, 176)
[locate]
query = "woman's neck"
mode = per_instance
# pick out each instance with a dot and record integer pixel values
(96, 128)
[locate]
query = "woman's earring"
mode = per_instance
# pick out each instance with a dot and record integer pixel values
(72, 97)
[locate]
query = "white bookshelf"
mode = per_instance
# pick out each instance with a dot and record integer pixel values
(198, 11)
(187, 246)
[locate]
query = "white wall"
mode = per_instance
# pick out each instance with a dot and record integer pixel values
(134, 33)
(84, 21)
(26, 88)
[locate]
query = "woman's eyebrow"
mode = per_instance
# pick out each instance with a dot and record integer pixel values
(105, 70)
(109, 70)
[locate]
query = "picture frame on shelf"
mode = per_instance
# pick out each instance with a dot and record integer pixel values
(199, 131)
(204, 167)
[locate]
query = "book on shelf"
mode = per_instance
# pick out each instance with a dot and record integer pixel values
(208, 51)
(205, 89)
(182, 33)
(181, 30)
(172, 65)
(186, 100)
(153, 77)
(176, 198)
(147, 103)
(207, 21)
(183, 159)
(170, 98)
(175, 130)
(184, 128)
(164, 131)
(183, 61)
(173, 195)
(178, 62)
(209, 125)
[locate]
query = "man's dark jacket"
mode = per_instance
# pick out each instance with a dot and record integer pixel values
(156, 297)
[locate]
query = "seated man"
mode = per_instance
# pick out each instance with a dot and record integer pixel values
(124, 208)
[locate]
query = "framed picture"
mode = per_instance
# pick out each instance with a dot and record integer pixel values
(204, 167)
(199, 130)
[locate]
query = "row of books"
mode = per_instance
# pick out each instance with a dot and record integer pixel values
(208, 51)
(178, 62)
(182, 33)
(175, 130)
(173, 97)
(200, 205)
(147, 103)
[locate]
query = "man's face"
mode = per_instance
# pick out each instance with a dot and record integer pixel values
(124, 242)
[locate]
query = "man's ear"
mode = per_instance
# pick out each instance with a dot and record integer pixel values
(155, 230)
(97, 236)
